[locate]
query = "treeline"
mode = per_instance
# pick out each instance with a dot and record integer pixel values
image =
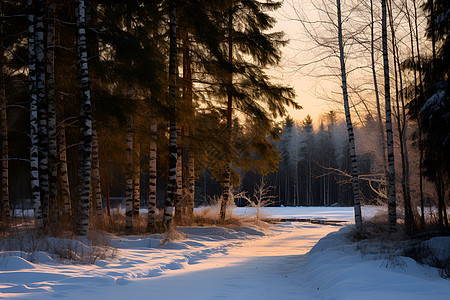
(396, 53)
(101, 94)
(315, 166)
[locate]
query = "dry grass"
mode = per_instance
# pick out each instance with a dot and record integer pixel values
(209, 216)
(66, 247)
(376, 238)
(116, 224)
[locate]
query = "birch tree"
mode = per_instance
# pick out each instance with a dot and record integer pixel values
(351, 136)
(41, 108)
(136, 178)
(63, 173)
(84, 151)
(172, 180)
(34, 156)
(95, 175)
(51, 110)
(152, 176)
(392, 206)
(5, 201)
(129, 176)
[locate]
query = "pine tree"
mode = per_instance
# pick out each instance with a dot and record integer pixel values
(432, 109)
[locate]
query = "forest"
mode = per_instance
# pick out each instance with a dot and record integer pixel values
(164, 105)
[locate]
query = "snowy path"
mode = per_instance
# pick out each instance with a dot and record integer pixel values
(255, 269)
(230, 263)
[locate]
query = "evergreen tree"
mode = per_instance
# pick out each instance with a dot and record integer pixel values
(432, 110)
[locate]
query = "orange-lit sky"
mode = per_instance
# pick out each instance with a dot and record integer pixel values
(309, 89)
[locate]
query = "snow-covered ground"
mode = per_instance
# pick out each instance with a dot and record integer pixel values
(230, 263)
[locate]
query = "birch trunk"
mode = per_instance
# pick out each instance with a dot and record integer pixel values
(41, 109)
(5, 202)
(401, 125)
(34, 156)
(227, 180)
(52, 143)
(152, 175)
(172, 178)
(189, 182)
(179, 173)
(84, 152)
(377, 96)
(136, 179)
(95, 174)
(351, 137)
(419, 68)
(129, 179)
(392, 206)
(5, 209)
(405, 122)
(63, 173)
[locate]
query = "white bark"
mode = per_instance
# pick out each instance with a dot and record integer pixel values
(351, 136)
(95, 174)
(389, 136)
(129, 174)
(226, 185)
(152, 175)
(5, 202)
(179, 201)
(52, 143)
(136, 180)
(34, 156)
(377, 96)
(171, 186)
(63, 173)
(84, 154)
(41, 109)
(191, 179)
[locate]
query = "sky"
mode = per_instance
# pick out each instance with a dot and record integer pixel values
(310, 90)
(307, 88)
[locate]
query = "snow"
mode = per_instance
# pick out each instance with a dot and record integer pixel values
(288, 260)
(313, 213)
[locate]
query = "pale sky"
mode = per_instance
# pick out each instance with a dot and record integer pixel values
(308, 88)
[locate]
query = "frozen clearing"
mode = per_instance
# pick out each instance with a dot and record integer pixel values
(229, 263)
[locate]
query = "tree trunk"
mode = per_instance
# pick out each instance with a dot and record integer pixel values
(191, 179)
(227, 180)
(377, 96)
(84, 152)
(189, 183)
(129, 179)
(136, 179)
(351, 137)
(179, 173)
(34, 156)
(41, 109)
(419, 68)
(152, 175)
(5, 202)
(95, 174)
(172, 178)
(401, 126)
(392, 206)
(63, 173)
(52, 142)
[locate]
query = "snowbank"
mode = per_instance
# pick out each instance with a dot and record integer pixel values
(231, 263)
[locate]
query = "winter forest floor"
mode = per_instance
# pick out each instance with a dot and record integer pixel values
(287, 260)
